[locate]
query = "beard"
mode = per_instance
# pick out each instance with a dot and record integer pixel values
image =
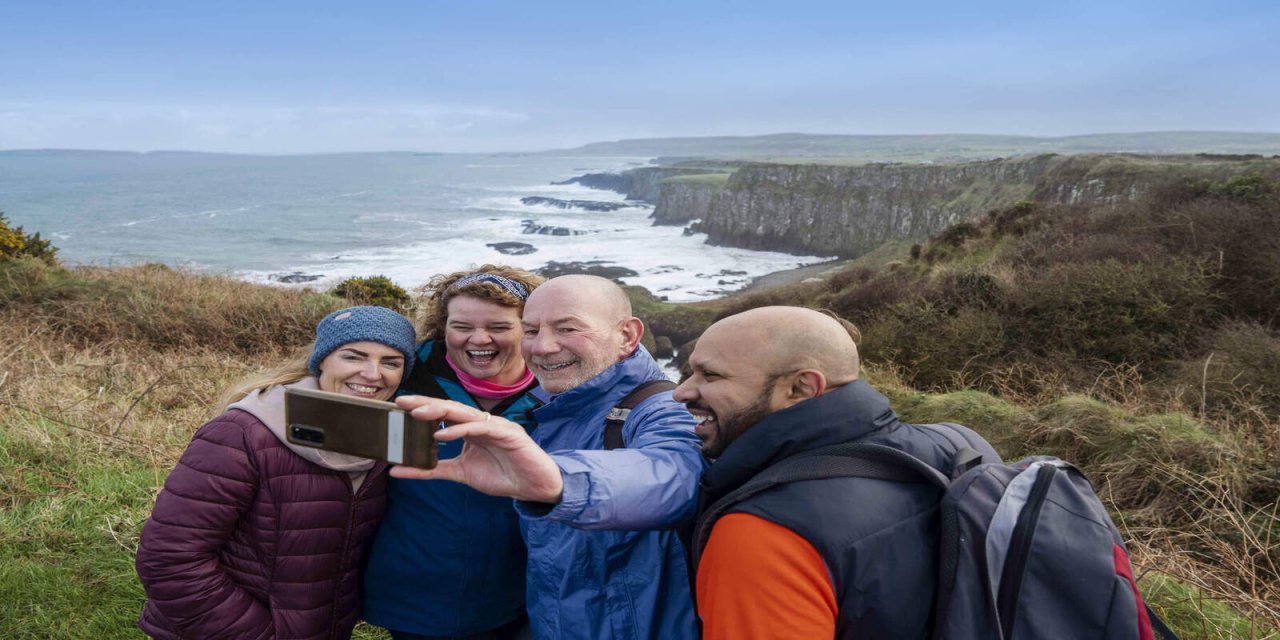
(731, 426)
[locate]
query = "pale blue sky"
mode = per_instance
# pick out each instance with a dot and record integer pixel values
(491, 75)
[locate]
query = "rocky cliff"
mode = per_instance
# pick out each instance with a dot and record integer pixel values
(849, 210)
(641, 183)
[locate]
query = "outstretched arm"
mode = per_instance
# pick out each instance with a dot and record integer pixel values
(498, 457)
(651, 484)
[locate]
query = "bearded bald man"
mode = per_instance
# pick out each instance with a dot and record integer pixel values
(830, 558)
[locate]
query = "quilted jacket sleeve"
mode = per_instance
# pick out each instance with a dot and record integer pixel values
(651, 484)
(195, 515)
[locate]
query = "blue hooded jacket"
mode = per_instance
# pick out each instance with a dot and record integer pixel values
(603, 563)
(447, 560)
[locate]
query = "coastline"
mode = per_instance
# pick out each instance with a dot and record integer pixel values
(793, 276)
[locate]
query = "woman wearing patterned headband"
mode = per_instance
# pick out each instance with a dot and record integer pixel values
(448, 561)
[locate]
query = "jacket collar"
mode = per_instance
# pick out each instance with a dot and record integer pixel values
(637, 368)
(850, 412)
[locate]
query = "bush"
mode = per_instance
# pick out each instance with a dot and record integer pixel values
(16, 243)
(1242, 241)
(952, 237)
(1013, 220)
(934, 345)
(1239, 372)
(1112, 311)
(867, 299)
(1250, 188)
(378, 291)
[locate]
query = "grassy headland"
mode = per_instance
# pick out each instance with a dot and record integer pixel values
(1138, 340)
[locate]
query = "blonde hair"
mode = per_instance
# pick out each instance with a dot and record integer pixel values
(290, 372)
(433, 306)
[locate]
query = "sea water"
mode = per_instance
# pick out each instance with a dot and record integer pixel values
(315, 220)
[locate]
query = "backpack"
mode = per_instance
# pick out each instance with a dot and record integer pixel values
(1026, 550)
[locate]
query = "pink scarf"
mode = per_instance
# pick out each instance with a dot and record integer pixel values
(481, 388)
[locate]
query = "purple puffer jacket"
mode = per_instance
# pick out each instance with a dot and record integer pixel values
(249, 540)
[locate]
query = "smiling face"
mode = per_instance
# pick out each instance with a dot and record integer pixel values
(729, 390)
(362, 369)
(573, 331)
(483, 339)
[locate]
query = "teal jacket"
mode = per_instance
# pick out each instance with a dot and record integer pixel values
(448, 560)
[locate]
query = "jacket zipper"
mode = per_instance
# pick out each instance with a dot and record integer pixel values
(346, 542)
(1020, 550)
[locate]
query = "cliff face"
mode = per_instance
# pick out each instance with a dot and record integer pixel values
(679, 203)
(646, 182)
(849, 210)
(641, 183)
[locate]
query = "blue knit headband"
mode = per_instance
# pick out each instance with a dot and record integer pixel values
(510, 286)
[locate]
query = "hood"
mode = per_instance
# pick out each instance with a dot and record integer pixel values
(268, 407)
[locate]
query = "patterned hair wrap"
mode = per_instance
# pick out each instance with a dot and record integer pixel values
(510, 286)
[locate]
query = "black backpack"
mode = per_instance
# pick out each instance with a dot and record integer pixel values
(1026, 550)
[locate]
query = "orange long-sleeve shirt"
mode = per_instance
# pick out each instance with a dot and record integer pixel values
(760, 580)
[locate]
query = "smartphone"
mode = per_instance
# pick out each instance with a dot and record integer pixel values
(359, 427)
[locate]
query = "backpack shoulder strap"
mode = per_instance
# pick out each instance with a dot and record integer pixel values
(969, 451)
(618, 415)
(845, 460)
(1159, 626)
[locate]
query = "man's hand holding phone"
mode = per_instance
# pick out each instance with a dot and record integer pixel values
(498, 458)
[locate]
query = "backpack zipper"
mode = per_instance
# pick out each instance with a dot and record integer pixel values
(1020, 550)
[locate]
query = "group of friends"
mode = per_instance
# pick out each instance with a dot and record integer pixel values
(532, 525)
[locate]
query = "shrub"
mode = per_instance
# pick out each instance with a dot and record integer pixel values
(1248, 188)
(935, 346)
(1239, 372)
(970, 289)
(1240, 240)
(1112, 311)
(377, 291)
(861, 302)
(1012, 220)
(15, 243)
(953, 237)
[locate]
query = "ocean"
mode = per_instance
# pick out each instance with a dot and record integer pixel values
(315, 220)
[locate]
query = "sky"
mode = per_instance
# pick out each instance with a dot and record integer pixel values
(491, 75)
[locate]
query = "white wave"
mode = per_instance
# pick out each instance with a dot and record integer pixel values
(682, 268)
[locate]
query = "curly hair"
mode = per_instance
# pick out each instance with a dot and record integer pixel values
(433, 303)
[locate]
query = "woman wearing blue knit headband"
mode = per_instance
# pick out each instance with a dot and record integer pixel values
(448, 561)
(255, 537)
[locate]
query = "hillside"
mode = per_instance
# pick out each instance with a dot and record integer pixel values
(933, 148)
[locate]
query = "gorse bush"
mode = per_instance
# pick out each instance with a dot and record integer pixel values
(15, 243)
(378, 291)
